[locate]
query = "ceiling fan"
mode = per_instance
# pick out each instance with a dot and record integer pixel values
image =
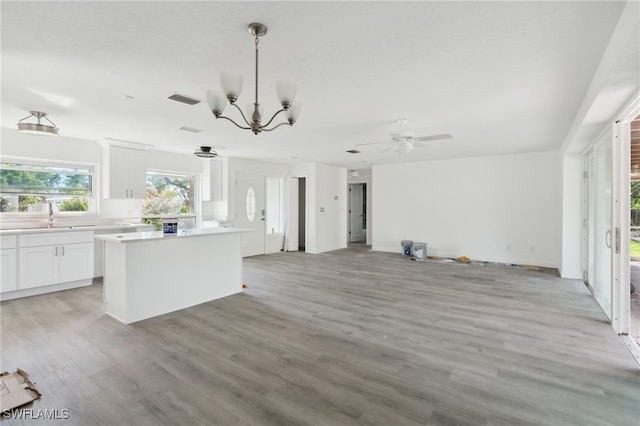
(405, 141)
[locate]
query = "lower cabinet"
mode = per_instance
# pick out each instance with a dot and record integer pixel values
(47, 265)
(8, 281)
(8, 257)
(53, 258)
(76, 262)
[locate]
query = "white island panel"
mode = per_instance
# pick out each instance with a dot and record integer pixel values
(153, 275)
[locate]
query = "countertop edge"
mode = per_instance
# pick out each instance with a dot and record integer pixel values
(136, 237)
(23, 231)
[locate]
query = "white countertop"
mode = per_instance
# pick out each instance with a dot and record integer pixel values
(132, 237)
(70, 228)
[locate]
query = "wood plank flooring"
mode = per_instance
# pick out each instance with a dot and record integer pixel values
(350, 337)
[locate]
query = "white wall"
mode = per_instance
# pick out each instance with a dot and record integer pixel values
(495, 209)
(59, 148)
(326, 221)
(571, 214)
(331, 204)
(172, 162)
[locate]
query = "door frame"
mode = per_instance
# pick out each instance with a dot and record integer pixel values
(364, 209)
(619, 131)
(591, 270)
(621, 280)
(369, 210)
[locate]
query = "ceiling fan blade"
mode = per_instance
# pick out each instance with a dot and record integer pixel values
(435, 137)
(373, 143)
(386, 149)
(396, 136)
(419, 144)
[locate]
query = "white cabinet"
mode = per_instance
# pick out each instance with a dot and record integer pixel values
(55, 257)
(39, 266)
(76, 262)
(8, 280)
(216, 180)
(127, 172)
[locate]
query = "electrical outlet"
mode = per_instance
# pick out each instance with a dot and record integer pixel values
(532, 249)
(508, 247)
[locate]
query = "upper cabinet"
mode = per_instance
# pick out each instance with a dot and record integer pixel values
(125, 169)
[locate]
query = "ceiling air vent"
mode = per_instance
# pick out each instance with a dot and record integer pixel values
(184, 99)
(353, 151)
(190, 129)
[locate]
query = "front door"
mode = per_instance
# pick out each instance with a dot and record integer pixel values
(250, 213)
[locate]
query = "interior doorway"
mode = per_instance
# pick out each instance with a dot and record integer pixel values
(302, 213)
(358, 213)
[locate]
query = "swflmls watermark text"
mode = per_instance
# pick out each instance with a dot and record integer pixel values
(37, 414)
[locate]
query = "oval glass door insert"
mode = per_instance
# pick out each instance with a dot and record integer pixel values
(251, 204)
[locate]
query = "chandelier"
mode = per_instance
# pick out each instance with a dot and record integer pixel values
(232, 86)
(37, 128)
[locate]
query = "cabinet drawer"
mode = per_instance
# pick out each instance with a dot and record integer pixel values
(7, 241)
(56, 238)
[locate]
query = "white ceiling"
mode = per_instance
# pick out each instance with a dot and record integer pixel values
(501, 77)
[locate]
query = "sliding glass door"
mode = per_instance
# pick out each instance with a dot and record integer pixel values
(599, 174)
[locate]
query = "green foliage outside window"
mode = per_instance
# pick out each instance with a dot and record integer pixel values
(74, 205)
(29, 187)
(168, 195)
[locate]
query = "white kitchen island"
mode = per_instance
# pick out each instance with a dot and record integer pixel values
(147, 274)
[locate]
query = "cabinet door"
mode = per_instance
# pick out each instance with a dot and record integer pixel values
(76, 262)
(39, 266)
(8, 270)
(137, 174)
(119, 172)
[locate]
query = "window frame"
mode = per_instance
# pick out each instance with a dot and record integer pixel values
(195, 213)
(94, 197)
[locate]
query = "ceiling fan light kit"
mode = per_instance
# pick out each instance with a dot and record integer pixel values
(232, 86)
(38, 128)
(205, 152)
(404, 142)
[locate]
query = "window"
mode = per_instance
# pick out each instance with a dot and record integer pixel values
(29, 187)
(170, 195)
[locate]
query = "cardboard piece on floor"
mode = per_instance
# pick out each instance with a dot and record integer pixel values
(16, 389)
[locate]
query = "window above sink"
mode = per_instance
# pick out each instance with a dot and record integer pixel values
(27, 187)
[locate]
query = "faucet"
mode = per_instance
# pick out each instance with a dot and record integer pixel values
(50, 221)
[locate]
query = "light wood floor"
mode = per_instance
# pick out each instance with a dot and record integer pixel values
(347, 337)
